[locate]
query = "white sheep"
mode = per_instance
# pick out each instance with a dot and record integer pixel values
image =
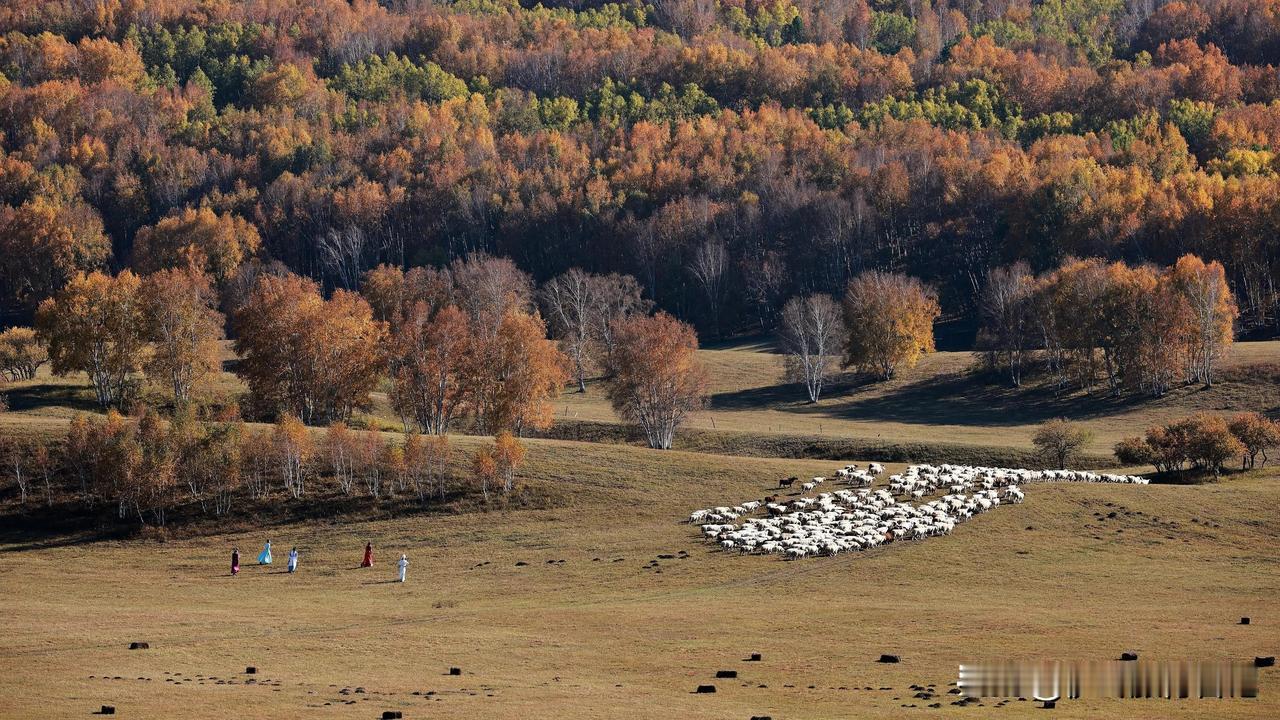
(854, 520)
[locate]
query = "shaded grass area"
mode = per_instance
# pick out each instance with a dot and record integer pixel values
(779, 445)
(34, 396)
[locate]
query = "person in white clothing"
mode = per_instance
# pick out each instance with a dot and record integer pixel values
(403, 565)
(293, 559)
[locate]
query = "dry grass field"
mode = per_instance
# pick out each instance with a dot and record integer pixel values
(570, 612)
(607, 634)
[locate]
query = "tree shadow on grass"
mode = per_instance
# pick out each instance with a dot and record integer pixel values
(788, 396)
(33, 397)
(961, 399)
(49, 529)
(755, 343)
(949, 399)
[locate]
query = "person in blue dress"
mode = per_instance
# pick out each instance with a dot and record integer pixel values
(265, 557)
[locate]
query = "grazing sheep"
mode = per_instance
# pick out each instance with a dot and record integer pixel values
(850, 520)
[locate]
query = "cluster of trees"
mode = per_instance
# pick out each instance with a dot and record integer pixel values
(114, 327)
(142, 465)
(885, 322)
(464, 342)
(728, 155)
(1204, 441)
(145, 466)
(1137, 328)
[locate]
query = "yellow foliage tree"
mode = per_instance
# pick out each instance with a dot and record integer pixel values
(94, 325)
(183, 327)
(215, 242)
(1212, 309)
(889, 318)
(508, 456)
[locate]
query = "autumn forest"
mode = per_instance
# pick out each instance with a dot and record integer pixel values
(728, 155)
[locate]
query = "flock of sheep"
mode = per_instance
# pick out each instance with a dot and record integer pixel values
(858, 517)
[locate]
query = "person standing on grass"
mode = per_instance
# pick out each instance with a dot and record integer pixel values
(368, 555)
(235, 561)
(404, 565)
(293, 559)
(265, 557)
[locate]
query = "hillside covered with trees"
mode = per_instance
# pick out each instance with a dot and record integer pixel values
(728, 155)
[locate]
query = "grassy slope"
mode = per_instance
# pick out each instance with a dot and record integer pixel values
(593, 638)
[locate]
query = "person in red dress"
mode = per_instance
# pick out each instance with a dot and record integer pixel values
(235, 561)
(368, 555)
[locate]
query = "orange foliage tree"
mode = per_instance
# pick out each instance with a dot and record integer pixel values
(304, 355)
(1256, 433)
(484, 466)
(431, 355)
(656, 380)
(514, 374)
(508, 452)
(215, 242)
(293, 450)
(44, 243)
(426, 463)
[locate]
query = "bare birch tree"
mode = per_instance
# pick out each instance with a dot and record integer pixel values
(708, 265)
(1006, 307)
(570, 300)
(812, 334)
(343, 253)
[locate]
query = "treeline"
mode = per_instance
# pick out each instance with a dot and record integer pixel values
(459, 347)
(1088, 322)
(727, 155)
(145, 467)
(1085, 324)
(465, 343)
